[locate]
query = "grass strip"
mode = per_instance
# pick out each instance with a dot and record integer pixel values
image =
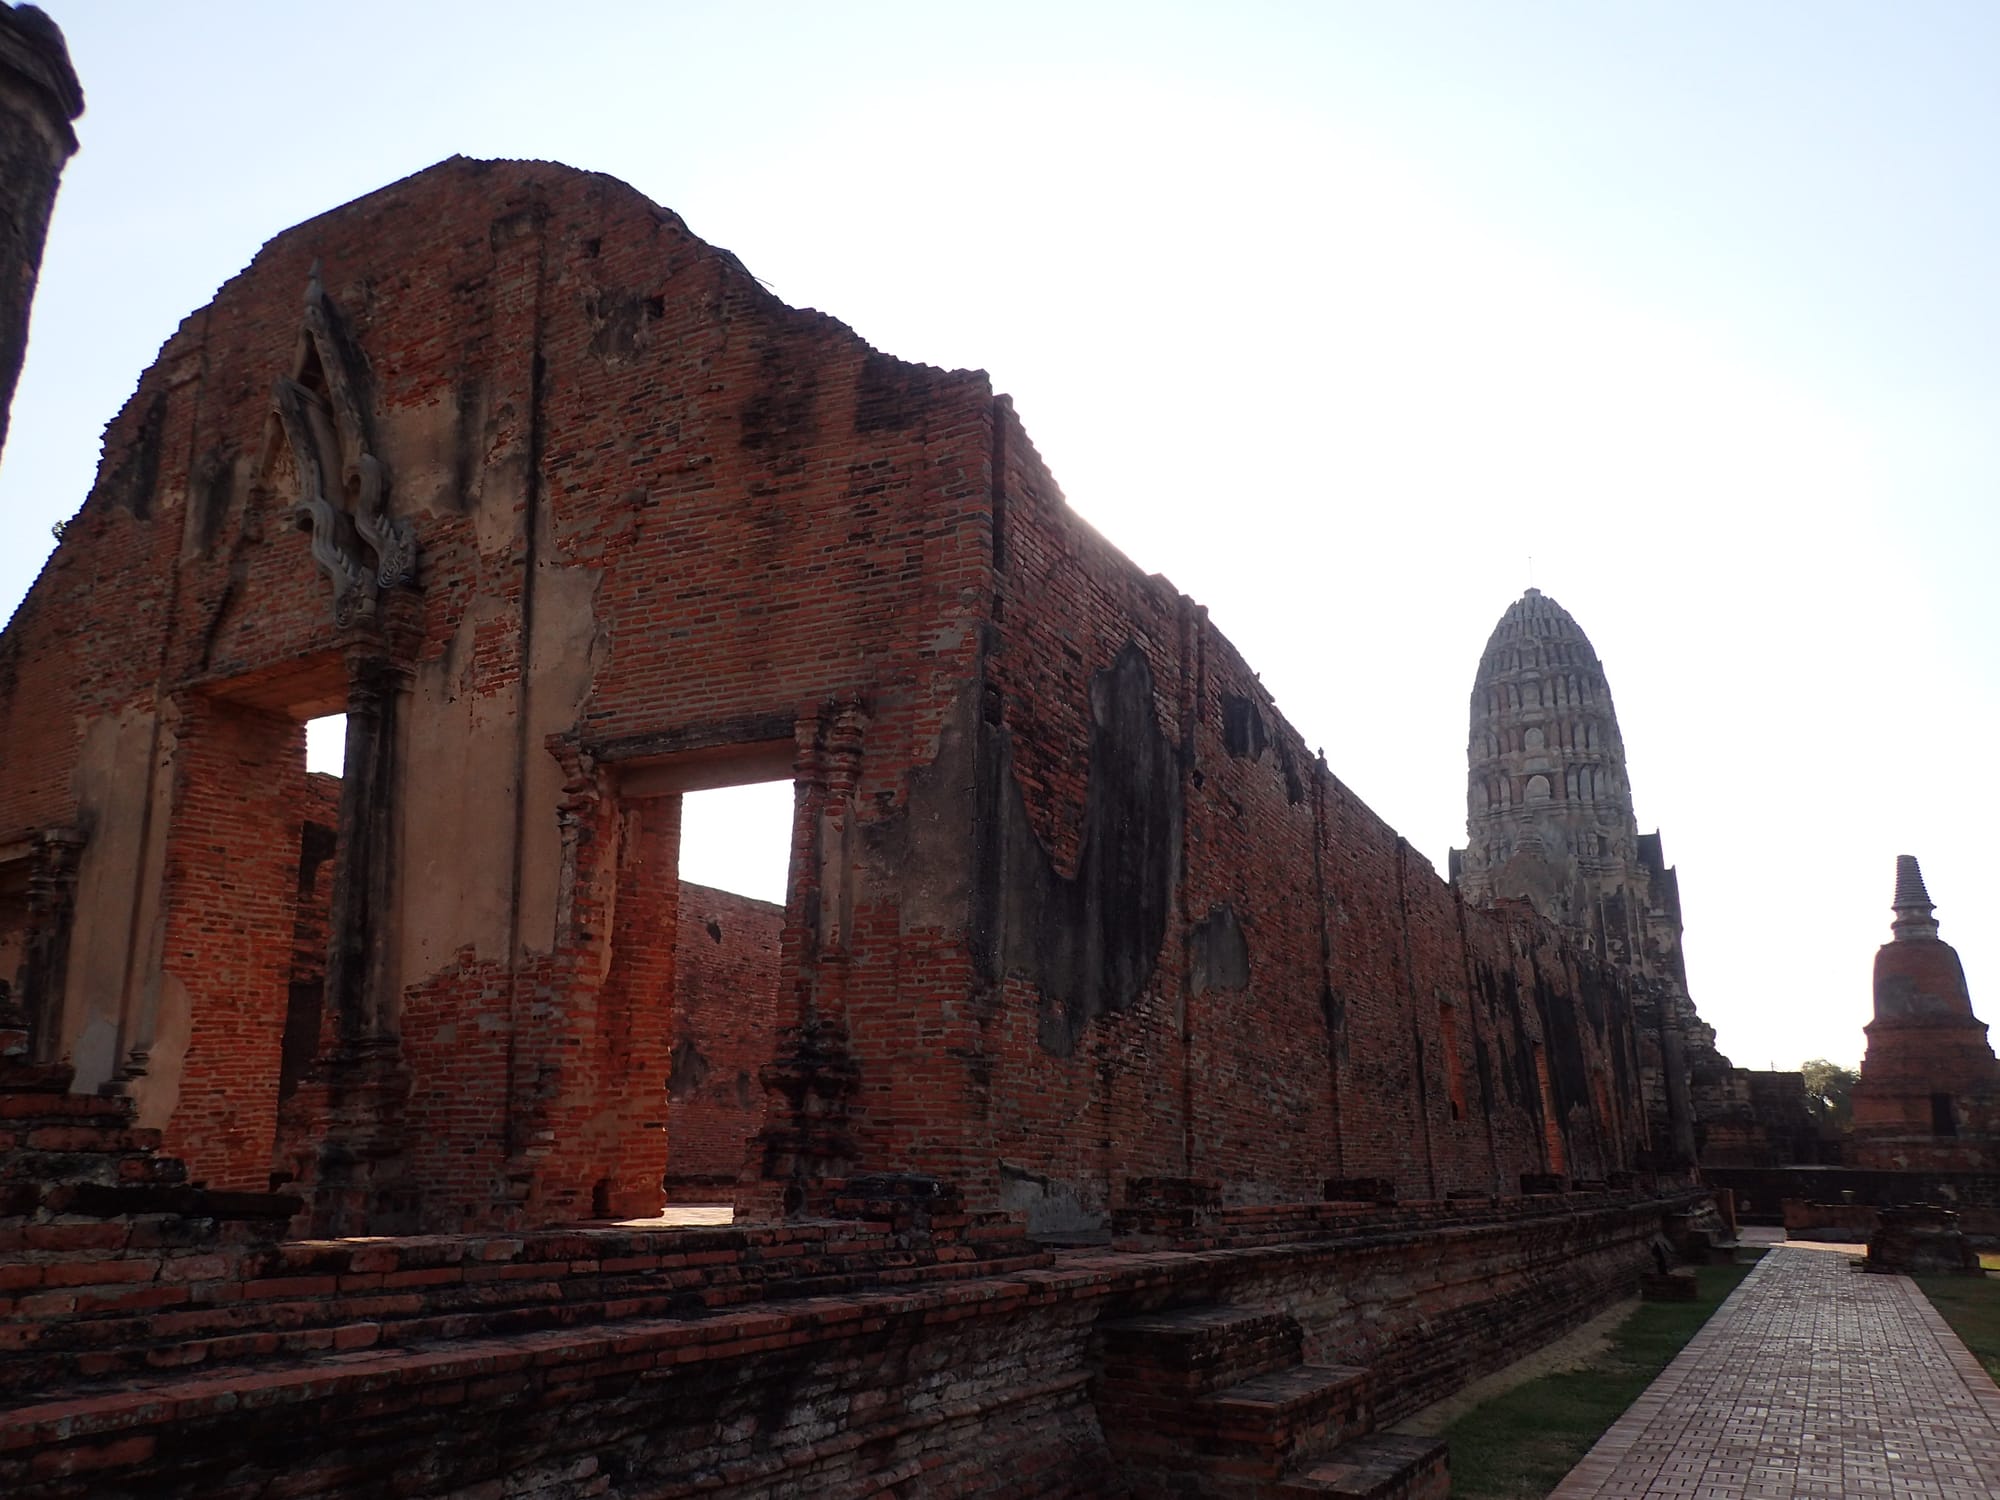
(1971, 1304)
(1519, 1445)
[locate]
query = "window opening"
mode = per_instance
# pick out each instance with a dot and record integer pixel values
(326, 745)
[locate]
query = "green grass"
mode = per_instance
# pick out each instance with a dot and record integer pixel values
(1971, 1304)
(1519, 1445)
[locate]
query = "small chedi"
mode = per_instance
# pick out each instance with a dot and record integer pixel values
(1929, 1095)
(1550, 824)
(1915, 1172)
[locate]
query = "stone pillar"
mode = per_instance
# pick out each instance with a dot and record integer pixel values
(39, 97)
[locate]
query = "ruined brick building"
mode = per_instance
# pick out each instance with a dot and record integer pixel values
(1550, 824)
(1119, 1098)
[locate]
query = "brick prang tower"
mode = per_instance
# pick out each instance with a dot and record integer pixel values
(39, 97)
(1549, 813)
(1549, 822)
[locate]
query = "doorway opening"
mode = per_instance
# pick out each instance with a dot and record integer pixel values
(307, 1021)
(735, 856)
(316, 834)
(704, 864)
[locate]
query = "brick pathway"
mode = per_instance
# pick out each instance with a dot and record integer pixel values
(1812, 1381)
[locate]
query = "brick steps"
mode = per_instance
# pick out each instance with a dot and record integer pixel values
(1385, 1466)
(1218, 1401)
(1271, 1421)
(1190, 1352)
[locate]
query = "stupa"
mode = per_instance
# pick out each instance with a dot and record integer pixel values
(1929, 1095)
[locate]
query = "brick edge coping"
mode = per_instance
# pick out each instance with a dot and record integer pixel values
(1964, 1363)
(623, 1346)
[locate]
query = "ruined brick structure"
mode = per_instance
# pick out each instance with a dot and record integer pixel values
(1550, 822)
(39, 98)
(1929, 1095)
(571, 517)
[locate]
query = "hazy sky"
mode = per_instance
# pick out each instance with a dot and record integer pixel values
(1334, 314)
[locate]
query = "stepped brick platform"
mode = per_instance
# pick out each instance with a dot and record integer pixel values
(164, 1339)
(1385, 1466)
(1219, 1398)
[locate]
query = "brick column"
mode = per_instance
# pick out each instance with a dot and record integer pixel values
(808, 1136)
(345, 1129)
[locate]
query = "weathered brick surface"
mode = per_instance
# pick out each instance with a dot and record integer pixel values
(232, 904)
(725, 988)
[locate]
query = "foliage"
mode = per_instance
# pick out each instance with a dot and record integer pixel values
(1829, 1088)
(1519, 1445)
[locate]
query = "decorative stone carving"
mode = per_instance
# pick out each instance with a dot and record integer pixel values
(343, 484)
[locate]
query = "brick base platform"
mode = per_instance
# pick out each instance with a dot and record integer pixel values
(163, 1339)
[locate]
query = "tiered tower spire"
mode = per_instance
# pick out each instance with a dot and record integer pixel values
(1548, 805)
(1913, 903)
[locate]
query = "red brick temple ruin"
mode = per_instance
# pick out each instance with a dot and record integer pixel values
(1116, 1105)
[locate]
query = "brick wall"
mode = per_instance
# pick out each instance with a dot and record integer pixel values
(724, 1031)
(1322, 1005)
(227, 952)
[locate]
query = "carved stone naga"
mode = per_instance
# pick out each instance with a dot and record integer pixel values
(343, 485)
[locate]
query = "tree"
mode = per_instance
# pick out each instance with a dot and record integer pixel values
(1828, 1090)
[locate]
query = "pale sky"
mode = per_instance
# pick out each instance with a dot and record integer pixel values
(1332, 313)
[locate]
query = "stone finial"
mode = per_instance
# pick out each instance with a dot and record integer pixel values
(1913, 903)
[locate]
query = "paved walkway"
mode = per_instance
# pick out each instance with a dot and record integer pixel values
(1812, 1381)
